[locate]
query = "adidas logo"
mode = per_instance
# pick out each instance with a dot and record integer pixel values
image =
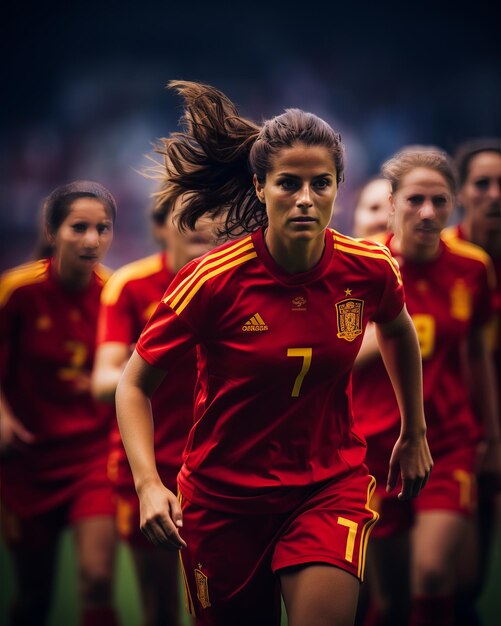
(256, 323)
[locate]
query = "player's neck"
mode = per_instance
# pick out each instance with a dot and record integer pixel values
(296, 256)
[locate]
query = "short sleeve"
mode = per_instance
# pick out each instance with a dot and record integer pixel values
(115, 322)
(170, 333)
(393, 297)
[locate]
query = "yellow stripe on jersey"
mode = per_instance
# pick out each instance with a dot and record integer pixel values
(448, 233)
(203, 279)
(366, 531)
(377, 237)
(103, 272)
(26, 274)
(470, 250)
(132, 271)
(364, 244)
(188, 598)
(374, 253)
(215, 259)
(210, 261)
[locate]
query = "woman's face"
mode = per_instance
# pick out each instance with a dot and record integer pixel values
(481, 193)
(84, 236)
(421, 208)
(373, 208)
(299, 192)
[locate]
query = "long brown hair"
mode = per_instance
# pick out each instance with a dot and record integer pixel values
(212, 159)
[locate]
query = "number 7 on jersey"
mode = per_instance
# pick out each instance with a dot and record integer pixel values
(305, 353)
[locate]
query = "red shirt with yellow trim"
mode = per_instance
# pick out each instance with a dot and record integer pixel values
(127, 302)
(455, 233)
(47, 338)
(445, 297)
(273, 417)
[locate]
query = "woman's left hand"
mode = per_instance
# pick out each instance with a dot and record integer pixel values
(411, 458)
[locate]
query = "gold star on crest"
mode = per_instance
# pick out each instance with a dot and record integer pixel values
(347, 292)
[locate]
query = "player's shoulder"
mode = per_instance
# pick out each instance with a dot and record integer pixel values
(103, 273)
(361, 246)
(465, 249)
(372, 252)
(223, 261)
(132, 272)
(22, 277)
(222, 258)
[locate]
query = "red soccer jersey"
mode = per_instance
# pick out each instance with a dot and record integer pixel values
(47, 342)
(454, 233)
(273, 407)
(127, 302)
(445, 298)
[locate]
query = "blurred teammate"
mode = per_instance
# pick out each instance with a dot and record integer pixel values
(273, 489)
(372, 208)
(129, 298)
(448, 297)
(54, 436)
(479, 166)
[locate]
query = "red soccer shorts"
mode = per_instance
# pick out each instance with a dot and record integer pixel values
(90, 496)
(231, 561)
(128, 520)
(451, 487)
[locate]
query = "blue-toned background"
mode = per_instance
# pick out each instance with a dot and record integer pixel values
(83, 90)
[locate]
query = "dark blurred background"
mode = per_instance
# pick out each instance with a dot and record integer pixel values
(84, 89)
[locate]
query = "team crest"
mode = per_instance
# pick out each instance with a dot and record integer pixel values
(349, 318)
(299, 303)
(202, 588)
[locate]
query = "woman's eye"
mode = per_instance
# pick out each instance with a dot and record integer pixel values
(482, 184)
(440, 202)
(416, 200)
(288, 184)
(103, 228)
(79, 228)
(322, 183)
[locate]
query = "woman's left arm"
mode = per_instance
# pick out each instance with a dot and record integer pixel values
(485, 400)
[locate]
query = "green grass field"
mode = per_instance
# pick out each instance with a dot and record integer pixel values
(64, 611)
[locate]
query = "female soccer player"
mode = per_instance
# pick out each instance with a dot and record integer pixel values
(478, 162)
(127, 301)
(448, 297)
(54, 436)
(273, 489)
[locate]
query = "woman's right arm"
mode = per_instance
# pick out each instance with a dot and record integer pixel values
(14, 437)
(109, 362)
(161, 515)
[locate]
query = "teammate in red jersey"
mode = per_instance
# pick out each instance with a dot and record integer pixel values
(54, 436)
(448, 297)
(479, 165)
(372, 208)
(273, 488)
(127, 301)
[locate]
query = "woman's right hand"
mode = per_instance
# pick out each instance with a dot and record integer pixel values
(14, 437)
(161, 516)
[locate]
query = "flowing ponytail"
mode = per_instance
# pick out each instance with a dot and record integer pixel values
(211, 161)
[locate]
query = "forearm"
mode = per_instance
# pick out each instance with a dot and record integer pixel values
(135, 420)
(109, 364)
(483, 385)
(400, 351)
(105, 382)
